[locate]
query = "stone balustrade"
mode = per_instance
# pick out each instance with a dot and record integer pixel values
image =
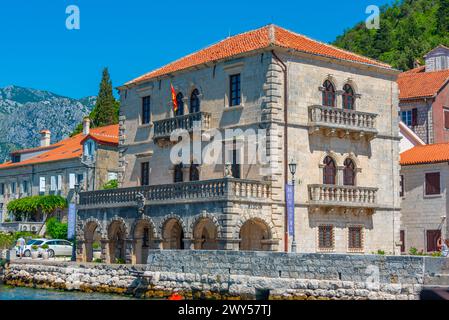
(219, 189)
(342, 196)
(342, 122)
(164, 128)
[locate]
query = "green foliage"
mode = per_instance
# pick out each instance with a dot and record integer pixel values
(6, 240)
(56, 229)
(97, 260)
(45, 246)
(24, 234)
(413, 251)
(34, 247)
(380, 252)
(120, 261)
(30, 205)
(408, 30)
(96, 246)
(106, 110)
(113, 184)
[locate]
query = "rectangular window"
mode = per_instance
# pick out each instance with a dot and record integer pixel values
(2, 189)
(401, 186)
(72, 181)
(146, 102)
(80, 179)
(15, 158)
(326, 237)
(145, 174)
(433, 237)
(53, 183)
(410, 117)
(13, 188)
(59, 186)
(433, 183)
(355, 238)
(402, 239)
(235, 90)
(42, 184)
(24, 186)
(446, 118)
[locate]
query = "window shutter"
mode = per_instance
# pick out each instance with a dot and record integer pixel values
(446, 119)
(72, 181)
(42, 184)
(433, 183)
(414, 117)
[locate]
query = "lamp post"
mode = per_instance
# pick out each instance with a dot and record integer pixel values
(78, 188)
(292, 166)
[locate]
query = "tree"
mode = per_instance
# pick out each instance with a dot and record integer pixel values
(443, 16)
(106, 108)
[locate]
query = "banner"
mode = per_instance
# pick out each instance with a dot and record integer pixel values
(71, 221)
(290, 199)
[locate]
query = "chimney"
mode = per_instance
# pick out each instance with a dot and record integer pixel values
(45, 138)
(86, 126)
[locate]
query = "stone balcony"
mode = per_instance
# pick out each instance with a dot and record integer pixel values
(332, 196)
(164, 128)
(332, 121)
(226, 189)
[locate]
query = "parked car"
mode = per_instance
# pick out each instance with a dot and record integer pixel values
(27, 249)
(56, 247)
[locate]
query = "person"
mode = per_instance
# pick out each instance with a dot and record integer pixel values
(21, 246)
(445, 248)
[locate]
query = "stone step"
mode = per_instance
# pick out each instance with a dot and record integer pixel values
(441, 280)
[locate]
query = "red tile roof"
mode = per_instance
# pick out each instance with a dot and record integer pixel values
(263, 38)
(431, 153)
(417, 83)
(69, 148)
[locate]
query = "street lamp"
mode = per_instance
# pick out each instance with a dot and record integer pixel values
(292, 166)
(77, 188)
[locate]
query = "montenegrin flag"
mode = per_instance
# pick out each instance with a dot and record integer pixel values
(173, 98)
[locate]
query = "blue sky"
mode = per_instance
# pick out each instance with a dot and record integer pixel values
(133, 37)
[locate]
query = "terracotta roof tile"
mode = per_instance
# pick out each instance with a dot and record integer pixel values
(418, 84)
(69, 148)
(432, 153)
(265, 37)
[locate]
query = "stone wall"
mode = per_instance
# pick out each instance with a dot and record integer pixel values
(236, 275)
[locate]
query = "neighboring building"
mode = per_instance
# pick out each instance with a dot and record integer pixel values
(424, 192)
(409, 138)
(89, 158)
(342, 125)
(424, 97)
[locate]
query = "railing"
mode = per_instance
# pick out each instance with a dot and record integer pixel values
(342, 119)
(220, 189)
(164, 128)
(330, 195)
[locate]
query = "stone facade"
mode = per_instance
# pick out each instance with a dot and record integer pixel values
(237, 275)
(91, 171)
(248, 212)
(421, 213)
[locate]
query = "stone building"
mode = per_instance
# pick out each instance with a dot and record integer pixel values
(331, 111)
(424, 97)
(424, 192)
(89, 158)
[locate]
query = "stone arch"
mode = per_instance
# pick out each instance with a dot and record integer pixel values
(352, 83)
(92, 232)
(206, 230)
(173, 231)
(354, 158)
(117, 233)
(338, 160)
(332, 79)
(144, 233)
(255, 234)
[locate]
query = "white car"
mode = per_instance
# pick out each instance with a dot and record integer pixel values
(56, 247)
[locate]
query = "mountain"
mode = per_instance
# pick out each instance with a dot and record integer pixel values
(24, 112)
(408, 30)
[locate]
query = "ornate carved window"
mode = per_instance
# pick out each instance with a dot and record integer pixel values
(328, 94)
(349, 173)
(179, 174)
(180, 101)
(348, 97)
(329, 171)
(195, 101)
(194, 172)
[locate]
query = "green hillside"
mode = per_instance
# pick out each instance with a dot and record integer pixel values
(408, 30)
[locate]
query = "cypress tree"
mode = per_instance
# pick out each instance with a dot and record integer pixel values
(106, 108)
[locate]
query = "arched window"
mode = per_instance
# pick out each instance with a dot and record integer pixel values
(194, 172)
(195, 101)
(328, 94)
(180, 101)
(179, 174)
(348, 97)
(349, 173)
(329, 171)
